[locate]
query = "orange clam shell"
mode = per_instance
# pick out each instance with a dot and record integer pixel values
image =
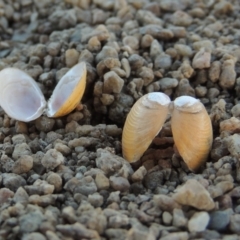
(143, 123)
(192, 131)
(68, 92)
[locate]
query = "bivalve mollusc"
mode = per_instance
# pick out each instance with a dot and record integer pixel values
(191, 127)
(192, 131)
(22, 99)
(143, 123)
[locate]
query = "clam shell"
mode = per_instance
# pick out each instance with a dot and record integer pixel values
(22, 99)
(20, 96)
(68, 92)
(192, 131)
(143, 123)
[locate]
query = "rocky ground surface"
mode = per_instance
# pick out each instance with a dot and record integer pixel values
(65, 178)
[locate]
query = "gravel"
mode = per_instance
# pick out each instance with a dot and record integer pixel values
(65, 178)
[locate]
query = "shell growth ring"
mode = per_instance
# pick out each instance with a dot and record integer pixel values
(190, 122)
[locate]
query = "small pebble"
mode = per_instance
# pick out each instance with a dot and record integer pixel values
(119, 183)
(198, 222)
(235, 223)
(23, 165)
(179, 220)
(71, 57)
(102, 182)
(52, 159)
(219, 220)
(197, 195)
(112, 83)
(201, 59)
(228, 75)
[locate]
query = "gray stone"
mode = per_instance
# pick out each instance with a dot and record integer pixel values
(95, 199)
(85, 185)
(228, 75)
(78, 231)
(167, 218)
(71, 57)
(23, 165)
(235, 223)
(102, 182)
(112, 164)
(135, 61)
(116, 233)
(131, 41)
(52, 159)
(155, 48)
(214, 71)
(34, 235)
(165, 203)
(21, 149)
(163, 61)
(106, 53)
(5, 194)
(179, 220)
(44, 123)
(183, 50)
(119, 183)
(13, 181)
(112, 83)
(168, 83)
(94, 219)
(114, 197)
(21, 196)
(139, 174)
(201, 59)
(19, 138)
(69, 214)
(236, 110)
(55, 180)
(176, 236)
(30, 222)
(40, 187)
(52, 137)
(42, 201)
(146, 75)
(118, 221)
(184, 88)
(219, 220)
(181, 18)
(233, 144)
(52, 235)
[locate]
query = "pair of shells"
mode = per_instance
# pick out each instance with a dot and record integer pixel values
(22, 99)
(190, 122)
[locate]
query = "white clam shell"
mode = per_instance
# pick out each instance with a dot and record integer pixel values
(20, 96)
(22, 99)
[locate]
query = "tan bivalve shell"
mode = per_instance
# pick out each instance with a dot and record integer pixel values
(143, 123)
(22, 99)
(192, 131)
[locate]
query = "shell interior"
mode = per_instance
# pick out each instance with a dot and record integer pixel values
(68, 92)
(22, 99)
(20, 96)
